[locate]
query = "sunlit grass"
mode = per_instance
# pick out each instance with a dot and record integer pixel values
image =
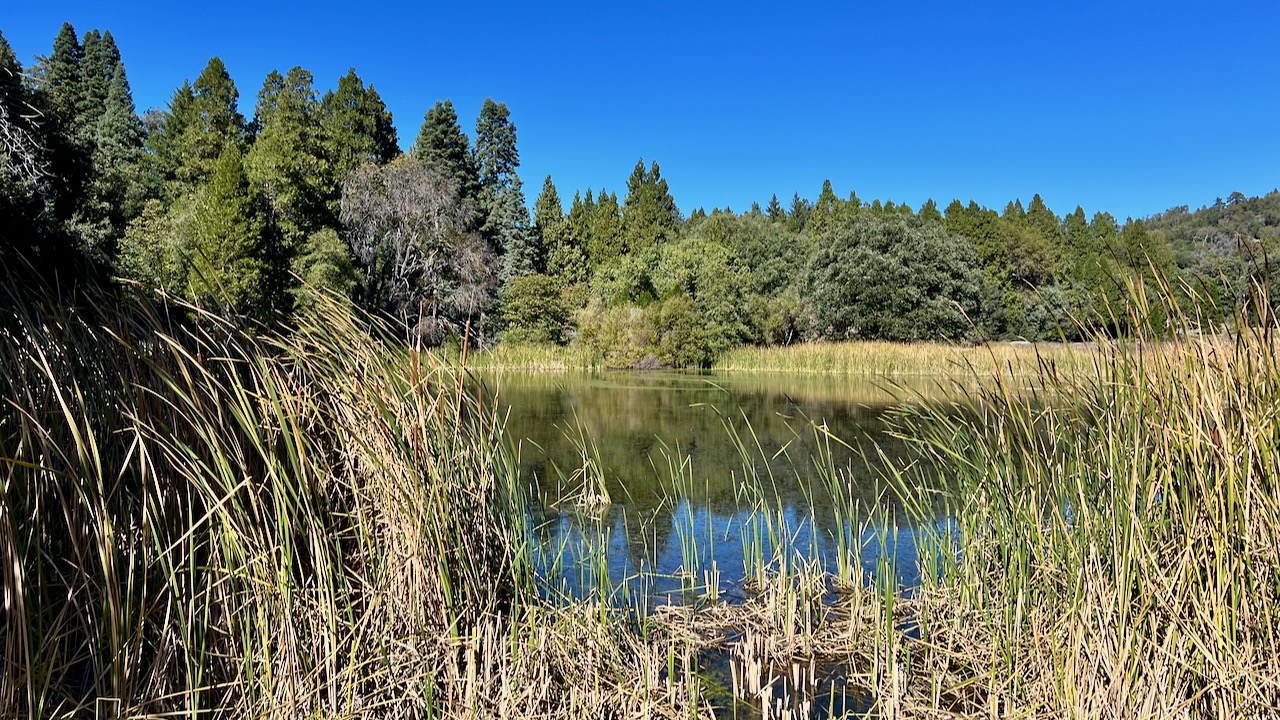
(201, 520)
(886, 359)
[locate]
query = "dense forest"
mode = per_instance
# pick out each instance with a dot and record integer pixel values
(255, 217)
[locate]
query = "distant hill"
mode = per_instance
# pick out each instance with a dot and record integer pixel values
(1220, 229)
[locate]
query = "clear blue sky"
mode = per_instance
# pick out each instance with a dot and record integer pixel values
(1129, 107)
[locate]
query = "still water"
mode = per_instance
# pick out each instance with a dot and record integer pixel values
(706, 478)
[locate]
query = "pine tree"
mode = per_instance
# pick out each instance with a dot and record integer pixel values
(101, 58)
(547, 208)
(775, 210)
(118, 188)
(164, 144)
(58, 76)
(442, 143)
(606, 222)
(213, 123)
(929, 212)
(565, 259)
(505, 219)
(229, 259)
(798, 218)
(649, 215)
(355, 128)
(286, 163)
(823, 216)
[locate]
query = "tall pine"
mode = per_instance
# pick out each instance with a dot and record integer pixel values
(649, 213)
(355, 128)
(442, 143)
(504, 217)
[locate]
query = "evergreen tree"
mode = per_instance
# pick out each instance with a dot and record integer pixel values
(286, 164)
(824, 211)
(100, 60)
(775, 210)
(929, 212)
(229, 256)
(59, 99)
(118, 188)
(649, 213)
(58, 76)
(798, 217)
(287, 167)
(547, 209)
(164, 143)
(212, 124)
(355, 128)
(606, 225)
(505, 219)
(442, 143)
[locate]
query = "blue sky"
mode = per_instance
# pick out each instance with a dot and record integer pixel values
(1128, 107)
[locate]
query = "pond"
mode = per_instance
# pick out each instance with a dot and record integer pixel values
(654, 487)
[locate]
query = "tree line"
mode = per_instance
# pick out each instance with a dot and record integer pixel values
(258, 216)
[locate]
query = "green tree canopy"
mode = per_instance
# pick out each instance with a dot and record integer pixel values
(894, 278)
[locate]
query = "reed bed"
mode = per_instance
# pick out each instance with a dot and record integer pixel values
(208, 521)
(1098, 543)
(201, 520)
(890, 360)
(523, 357)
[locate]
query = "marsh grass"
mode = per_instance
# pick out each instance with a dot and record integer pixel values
(1098, 542)
(522, 357)
(203, 520)
(893, 360)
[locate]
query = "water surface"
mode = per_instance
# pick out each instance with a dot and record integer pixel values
(705, 475)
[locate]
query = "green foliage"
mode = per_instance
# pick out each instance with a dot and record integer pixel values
(287, 164)
(649, 213)
(893, 278)
(355, 127)
(535, 310)
(504, 217)
(157, 245)
(229, 262)
(441, 142)
(324, 268)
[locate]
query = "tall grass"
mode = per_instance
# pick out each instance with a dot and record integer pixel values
(887, 359)
(1115, 548)
(201, 520)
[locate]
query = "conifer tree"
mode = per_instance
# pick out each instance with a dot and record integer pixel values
(547, 209)
(58, 75)
(213, 123)
(442, 143)
(775, 210)
(229, 255)
(118, 189)
(504, 217)
(565, 258)
(649, 215)
(355, 128)
(603, 240)
(101, 58)
(823, 216)
(164, 144)
(929, 212)
(798, 218)
(286, 163)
